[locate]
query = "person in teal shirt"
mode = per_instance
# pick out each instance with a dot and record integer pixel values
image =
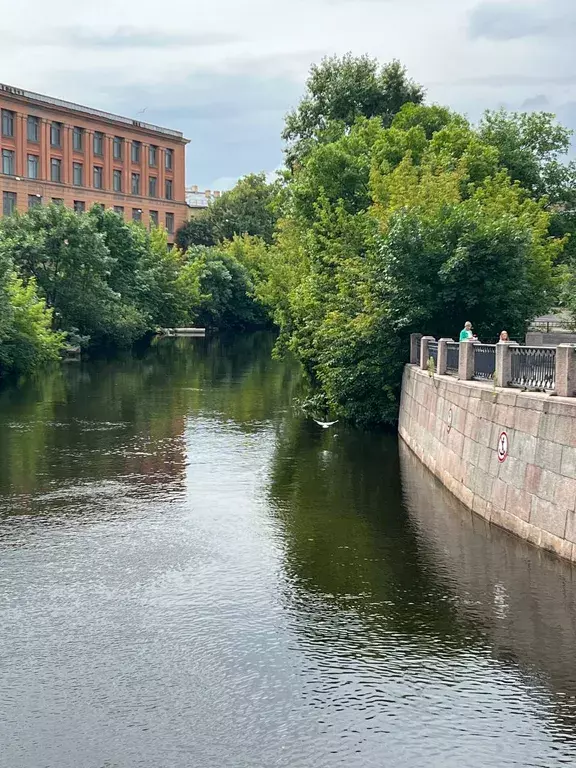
(466, 332)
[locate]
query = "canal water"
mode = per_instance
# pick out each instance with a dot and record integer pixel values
(192, 574)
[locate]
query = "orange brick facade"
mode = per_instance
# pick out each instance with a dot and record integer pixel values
(52, 150)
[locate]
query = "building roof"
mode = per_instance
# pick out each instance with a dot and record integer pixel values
(68, 105)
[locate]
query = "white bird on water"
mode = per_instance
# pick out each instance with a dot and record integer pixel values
(325, 424)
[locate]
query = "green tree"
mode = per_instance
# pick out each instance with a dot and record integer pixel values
(196, 231)
(339, 90)
(29, 341)
(227, 295)
(394, 230)
(533, 148)
(69, 260)
(247, 209)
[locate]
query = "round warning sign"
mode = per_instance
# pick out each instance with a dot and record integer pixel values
(449, 419)
(503, 447)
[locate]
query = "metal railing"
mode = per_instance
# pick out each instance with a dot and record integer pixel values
(484, 361)
(533, 367)
(452, 356)
(433, 352)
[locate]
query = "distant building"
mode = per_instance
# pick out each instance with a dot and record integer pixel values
(55, 151)
(198, 201)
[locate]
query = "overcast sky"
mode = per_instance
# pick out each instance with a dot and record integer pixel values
(225, 72)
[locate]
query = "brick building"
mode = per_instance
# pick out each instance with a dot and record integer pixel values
(55, 151)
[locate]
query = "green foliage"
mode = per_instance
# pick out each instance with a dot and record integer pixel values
(100, 280)
(531, 147)
(196, 231)
(27, 340)
(247, 209)
(225, 289)
(338, 92)
(407, 224)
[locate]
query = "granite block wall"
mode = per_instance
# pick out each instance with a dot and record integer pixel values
(455, 429)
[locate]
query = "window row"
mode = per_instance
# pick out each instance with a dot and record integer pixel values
(33, 172)
(9, 200)
(79, 140)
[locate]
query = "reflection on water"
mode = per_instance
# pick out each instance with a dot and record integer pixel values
(191, 574)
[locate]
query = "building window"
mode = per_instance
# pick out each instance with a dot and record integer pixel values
(118, 144)
(170, 223)
(55, 170)
(154, 218)
(79, 206)
(58, 200)
(34, 201)
(8, 162)
(153, 186)
(8, 203)
(119, 209)
(77, 174)
(33, 165)
(98, 143)
(153, 156)
(117, 181)
(78, 139)
(169, 159)
(98, 176)
(56, 134)
(169, 189)
(136, 214)
(33, 128)
(135, 183)
(7, 123)
(136, 147)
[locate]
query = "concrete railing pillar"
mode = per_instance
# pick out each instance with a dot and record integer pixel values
(414, 339)
(466, 360)
(503, 371)
(442, 355)
(424, 354)
(566, 370)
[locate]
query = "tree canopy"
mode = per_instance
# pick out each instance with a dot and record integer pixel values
(339, 90)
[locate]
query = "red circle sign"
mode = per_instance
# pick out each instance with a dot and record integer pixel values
(502, 447)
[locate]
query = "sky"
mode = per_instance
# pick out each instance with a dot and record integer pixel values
(226, 72)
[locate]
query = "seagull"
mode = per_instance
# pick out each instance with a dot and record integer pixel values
(325, 424)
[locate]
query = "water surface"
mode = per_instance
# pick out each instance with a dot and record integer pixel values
(191, 574)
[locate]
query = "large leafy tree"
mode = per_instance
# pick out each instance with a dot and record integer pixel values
(416, 226)
(339, 90)
(69, 260)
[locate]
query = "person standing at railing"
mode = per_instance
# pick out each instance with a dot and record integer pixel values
(466, 332)
(504, 336)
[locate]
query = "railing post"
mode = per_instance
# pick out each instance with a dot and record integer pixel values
(466, 360)
(504, 363)
(565, 370)
(442, 355)
(414, 339)
(424, 354)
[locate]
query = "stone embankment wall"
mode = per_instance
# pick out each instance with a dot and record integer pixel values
(551, 339)
(525, 483)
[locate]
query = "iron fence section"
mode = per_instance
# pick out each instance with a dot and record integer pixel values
(452, 356)
(433, 352)
(484, 361)
(533, 367)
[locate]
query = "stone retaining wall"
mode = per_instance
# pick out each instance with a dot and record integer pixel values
(454, 427)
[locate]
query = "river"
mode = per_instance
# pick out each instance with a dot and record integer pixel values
(192, 574)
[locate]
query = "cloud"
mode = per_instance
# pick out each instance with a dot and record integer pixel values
(120, 38)
(535, 103)
(513, 21)
(233, 119)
